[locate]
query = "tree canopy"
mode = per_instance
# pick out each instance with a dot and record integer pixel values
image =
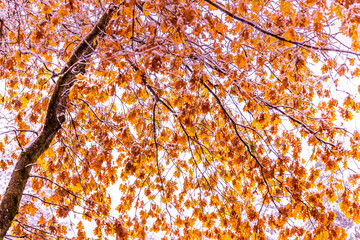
(184, 119)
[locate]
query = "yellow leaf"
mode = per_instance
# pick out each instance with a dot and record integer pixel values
(226, 237)
(63, 12)
(46, 9)
(192, 130)
(76, 187)
(240, 60)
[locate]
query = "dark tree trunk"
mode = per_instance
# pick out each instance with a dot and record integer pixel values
(55, 116)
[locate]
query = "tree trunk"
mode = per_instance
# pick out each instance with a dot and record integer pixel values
(55, 116)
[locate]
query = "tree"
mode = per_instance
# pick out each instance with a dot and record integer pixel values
(212, 119)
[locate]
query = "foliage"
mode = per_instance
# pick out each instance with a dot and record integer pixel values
(220, 120)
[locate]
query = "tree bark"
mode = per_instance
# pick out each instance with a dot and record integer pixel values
(55, 117)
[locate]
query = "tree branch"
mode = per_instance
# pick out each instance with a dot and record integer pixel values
(55, 116)
(262, 30)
